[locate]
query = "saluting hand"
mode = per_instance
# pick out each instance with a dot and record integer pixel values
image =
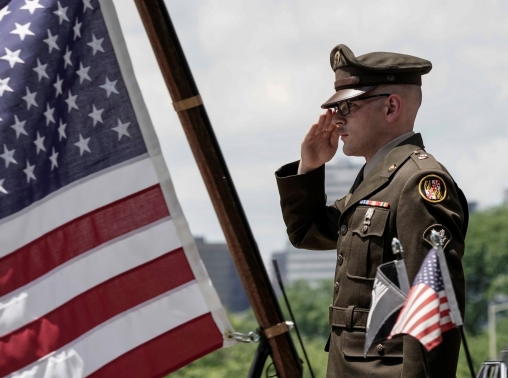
(320, 144)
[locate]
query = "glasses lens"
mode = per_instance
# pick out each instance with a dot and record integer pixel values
(343, 108)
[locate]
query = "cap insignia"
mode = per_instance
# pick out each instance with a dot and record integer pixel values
(336, 60)
(432, 188)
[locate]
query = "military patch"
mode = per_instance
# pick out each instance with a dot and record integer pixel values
(443, 232)
(432, 188)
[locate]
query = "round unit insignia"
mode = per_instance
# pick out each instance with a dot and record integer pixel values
(432, 188)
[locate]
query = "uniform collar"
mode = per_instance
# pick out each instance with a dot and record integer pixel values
(383, 151)
(382, 172)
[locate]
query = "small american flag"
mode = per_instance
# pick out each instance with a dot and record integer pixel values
(99, 274)
(426, 312)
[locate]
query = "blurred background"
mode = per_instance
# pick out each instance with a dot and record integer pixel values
(262, 68)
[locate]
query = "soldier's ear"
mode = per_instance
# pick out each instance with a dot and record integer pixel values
(393, 107)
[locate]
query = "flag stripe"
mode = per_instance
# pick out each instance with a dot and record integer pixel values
(61, 245)
(101, 345)
(85, 272)
(196, 338)
(74, 201)
(43, 335)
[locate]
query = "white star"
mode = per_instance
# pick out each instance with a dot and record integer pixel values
(49, 114)
(61, 13)
(61, 131)
(19, 127)
(83, 145)
(22, 30)
(8, 156)
(30, 99)
(29, 172)
(51, 41)
(12, 57)
(4, 86)
(41, 70)
(86, 4)
(71, 102)
(39, 143)
(2, 180)
(96, 115)
(53, 158)
(4, 12)
(109, 86)
(83, 73)
(121, 129)
(67, 57)
(96, 44)
(58, 85)
(77, 29)
(31, 5)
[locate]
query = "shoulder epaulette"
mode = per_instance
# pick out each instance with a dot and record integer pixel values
(425, 161)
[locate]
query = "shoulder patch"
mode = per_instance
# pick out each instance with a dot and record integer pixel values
(432, 188)
(443, 232)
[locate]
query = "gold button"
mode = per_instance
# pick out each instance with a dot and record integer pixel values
(380, 349)
(340, 259)
(392, 167)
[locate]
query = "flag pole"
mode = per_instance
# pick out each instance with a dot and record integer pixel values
(199, 132)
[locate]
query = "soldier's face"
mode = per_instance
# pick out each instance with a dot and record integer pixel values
(361, 130)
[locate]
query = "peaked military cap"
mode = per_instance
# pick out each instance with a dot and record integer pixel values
(355, 75)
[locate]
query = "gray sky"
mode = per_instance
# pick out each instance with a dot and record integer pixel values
(262, 68)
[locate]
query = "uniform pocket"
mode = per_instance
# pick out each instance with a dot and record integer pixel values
(367, 241)
(353, 344)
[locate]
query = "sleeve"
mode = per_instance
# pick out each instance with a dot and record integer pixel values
(309, 222)
(429, 201)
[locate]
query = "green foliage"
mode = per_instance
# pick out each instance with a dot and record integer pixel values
(309, 303)
(485, 263)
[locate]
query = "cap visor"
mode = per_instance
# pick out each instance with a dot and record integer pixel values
(345, 94)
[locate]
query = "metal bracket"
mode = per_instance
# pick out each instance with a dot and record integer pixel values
(251, 337)
(188, 103)
(278, 329)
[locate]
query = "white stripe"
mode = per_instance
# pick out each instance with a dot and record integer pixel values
(431, 336)
(426, 324)
(152, 144)
(74, 201)
(408, 308)
(110, 340)
(444, 320)
(83, 273)
(416, 316)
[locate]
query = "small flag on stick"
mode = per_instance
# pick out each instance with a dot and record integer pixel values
(431, 307)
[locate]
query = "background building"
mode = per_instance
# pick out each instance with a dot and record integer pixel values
(222, 272)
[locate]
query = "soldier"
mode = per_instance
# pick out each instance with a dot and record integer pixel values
(401, 191)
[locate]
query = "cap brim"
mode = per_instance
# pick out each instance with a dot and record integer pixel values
(345, 94)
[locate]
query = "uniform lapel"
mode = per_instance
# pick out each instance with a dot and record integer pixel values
(385, 169)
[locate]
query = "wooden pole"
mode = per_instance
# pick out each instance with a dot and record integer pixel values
(212, 166)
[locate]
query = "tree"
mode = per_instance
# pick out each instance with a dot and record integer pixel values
(485, 263)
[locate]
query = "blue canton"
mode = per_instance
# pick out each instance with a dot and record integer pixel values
(430, 273)
(65, 112)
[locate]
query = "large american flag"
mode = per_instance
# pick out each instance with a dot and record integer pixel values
(99, 274)
(426, 312)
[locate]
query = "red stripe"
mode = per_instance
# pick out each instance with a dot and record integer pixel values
(91, 308)
(427, 330)
(167, 352)
(423, 316)
(413, 311)
(60, 245)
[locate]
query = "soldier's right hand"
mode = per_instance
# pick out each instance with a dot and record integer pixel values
(320, 144)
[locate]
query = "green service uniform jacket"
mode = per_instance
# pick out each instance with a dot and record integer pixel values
(414, 194)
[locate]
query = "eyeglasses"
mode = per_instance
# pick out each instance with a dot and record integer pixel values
(343, 107)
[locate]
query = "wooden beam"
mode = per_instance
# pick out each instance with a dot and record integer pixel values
(219, 184)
